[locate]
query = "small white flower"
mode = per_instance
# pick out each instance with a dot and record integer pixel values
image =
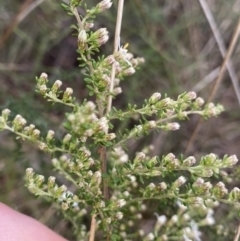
(119, 215)
(58, 83)
(44, 76)
(133, 178)
(103, 5)
(174, 218)
(121, 203)
(82, 37)
(151, 186)
(150, 236)
(161, 220)
(69, 91)
(195, 232)
(126, 194)
(141, 232)
(123, 158)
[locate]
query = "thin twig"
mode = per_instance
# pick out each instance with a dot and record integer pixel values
(102, 149)
(221, 46)
(75, 12)
(116, 43)
(92, 228)
(217, 83)
(236, 238)
(93, 219)
(103, 154)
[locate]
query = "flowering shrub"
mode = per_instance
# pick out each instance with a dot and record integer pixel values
(110, 188)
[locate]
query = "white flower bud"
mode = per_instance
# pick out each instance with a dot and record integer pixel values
(151, 186)
(29, 173)
(110, 136)
(57, 84)
(43, 89)
(82, 36)
(50, 135)
(199, 101)
(119, 215)
(121, 203)
(90, 106)
(42, 146)
(139, 157)
(39, 180)
(44, 76)
(64, 206)
(123, 158)
(36, 133)
(126, 194)
(51, 182)
(189, 161)
(162, 186)
(195, 200)
(179, 182)
(109, 60)
(152, 124)
(89, 25)
(117, 91)
(129, 71)
(82, 40)
(155, 98)
(5, 113)
(69, 91)
(141, 232)
(231, 160)
(172, 126)
(150, 237)
(62, 189)
(67, 138)
(103, 5)
(102, 40)
(42, 80)
(191, 96)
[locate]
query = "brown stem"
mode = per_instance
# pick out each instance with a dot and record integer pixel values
(92, 229)
(103, 159)
(236, 238)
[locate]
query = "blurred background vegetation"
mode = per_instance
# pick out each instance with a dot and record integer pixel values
(178, 45)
